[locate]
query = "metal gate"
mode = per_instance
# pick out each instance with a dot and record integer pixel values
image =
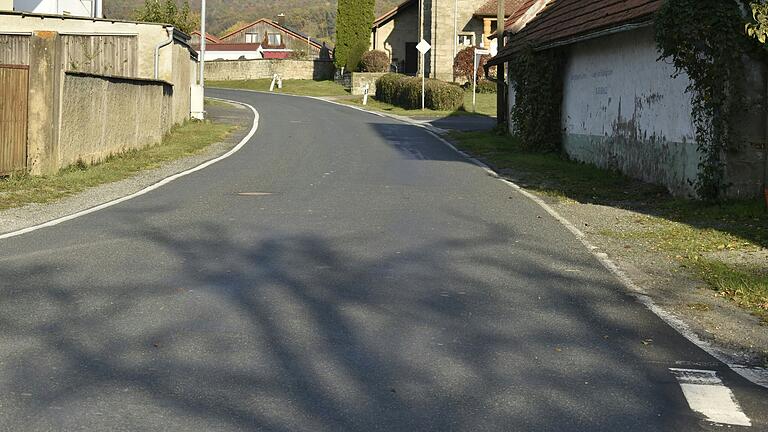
(14, 91)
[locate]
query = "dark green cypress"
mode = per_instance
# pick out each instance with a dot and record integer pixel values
(353, 31)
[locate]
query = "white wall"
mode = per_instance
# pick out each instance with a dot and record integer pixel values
(59, 7)
(622, 110)
(232, 55)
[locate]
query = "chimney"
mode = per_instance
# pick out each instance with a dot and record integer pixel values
(281, 19)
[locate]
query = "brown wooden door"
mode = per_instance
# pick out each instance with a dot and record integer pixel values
(14, 90)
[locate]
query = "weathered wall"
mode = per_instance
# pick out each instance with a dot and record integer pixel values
(622, 110)
(77, 115)
(101, 116)
(182, 80)
(148, 35)
(14, 49)
(392, 36)
(259, 69)
(101, 54)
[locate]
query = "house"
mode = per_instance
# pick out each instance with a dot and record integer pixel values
(83, 8)
(448, 25)
(277, 40)
(216, 49)
(621, 108)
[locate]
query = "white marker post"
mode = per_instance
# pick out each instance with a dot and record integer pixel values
(276, 79)
(478, 53)
(366, 88)
(423, 48)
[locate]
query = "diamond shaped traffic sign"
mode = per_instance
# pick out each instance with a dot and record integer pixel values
(423, 46)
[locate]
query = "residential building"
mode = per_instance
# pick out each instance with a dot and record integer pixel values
(83, 8)
(621, 108)
(448, 25)
(277, 40)
(216, 49)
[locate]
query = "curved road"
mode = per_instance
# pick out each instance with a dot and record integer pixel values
(342, 272)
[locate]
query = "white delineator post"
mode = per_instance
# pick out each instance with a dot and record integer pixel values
(366, 88)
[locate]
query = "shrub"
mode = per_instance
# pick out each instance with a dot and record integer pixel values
(486, 86)
(465, 62)
(375, 61)
(405, 92)
(443, 96)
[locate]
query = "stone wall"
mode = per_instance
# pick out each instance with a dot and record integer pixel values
(356, 81)
(317, 70)
(102, 116)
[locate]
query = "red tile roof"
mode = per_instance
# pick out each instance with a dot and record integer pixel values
(490, 8)
(208, 36)
(566, 19)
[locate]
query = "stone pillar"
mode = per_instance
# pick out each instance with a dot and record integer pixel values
(45, 76)
(487, 29)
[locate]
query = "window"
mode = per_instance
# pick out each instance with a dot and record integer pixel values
(275, 39)
(466, 39)
(252, 38)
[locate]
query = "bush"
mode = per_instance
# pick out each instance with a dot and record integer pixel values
(405, 92)
(375, 61)
(465, 62)
(443, 96)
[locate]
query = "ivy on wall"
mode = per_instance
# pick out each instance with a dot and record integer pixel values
(536, 116)
(705, 39)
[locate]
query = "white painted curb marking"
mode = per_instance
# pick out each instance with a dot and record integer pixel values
(707, 395)
(150, 188)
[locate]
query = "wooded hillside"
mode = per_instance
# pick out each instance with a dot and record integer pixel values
(318, 18)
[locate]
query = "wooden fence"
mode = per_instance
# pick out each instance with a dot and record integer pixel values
(14, 91)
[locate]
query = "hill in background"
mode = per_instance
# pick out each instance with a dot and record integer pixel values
(317, 18)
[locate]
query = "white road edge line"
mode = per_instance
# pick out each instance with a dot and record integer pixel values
(707, 395)
(150, 188)
(757, 376)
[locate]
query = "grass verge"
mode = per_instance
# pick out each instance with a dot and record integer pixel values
(184, 140)
(714, 241)
(292, 87)
(486, 106)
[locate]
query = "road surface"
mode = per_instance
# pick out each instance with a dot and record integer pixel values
(342, 272)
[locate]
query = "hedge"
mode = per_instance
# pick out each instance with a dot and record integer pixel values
(405, 92)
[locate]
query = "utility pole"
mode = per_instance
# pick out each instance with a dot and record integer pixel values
(203, 35)
(501, 89)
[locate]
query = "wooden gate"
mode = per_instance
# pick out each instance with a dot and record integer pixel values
(14, 91)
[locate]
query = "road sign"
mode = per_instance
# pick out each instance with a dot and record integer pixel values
(423, 46)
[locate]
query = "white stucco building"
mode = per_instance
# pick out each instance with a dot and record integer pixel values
(621, 108)
(83, 8)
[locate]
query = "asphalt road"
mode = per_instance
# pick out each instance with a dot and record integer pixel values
(384, 284)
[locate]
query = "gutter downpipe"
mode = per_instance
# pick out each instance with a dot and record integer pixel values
(157, 51)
